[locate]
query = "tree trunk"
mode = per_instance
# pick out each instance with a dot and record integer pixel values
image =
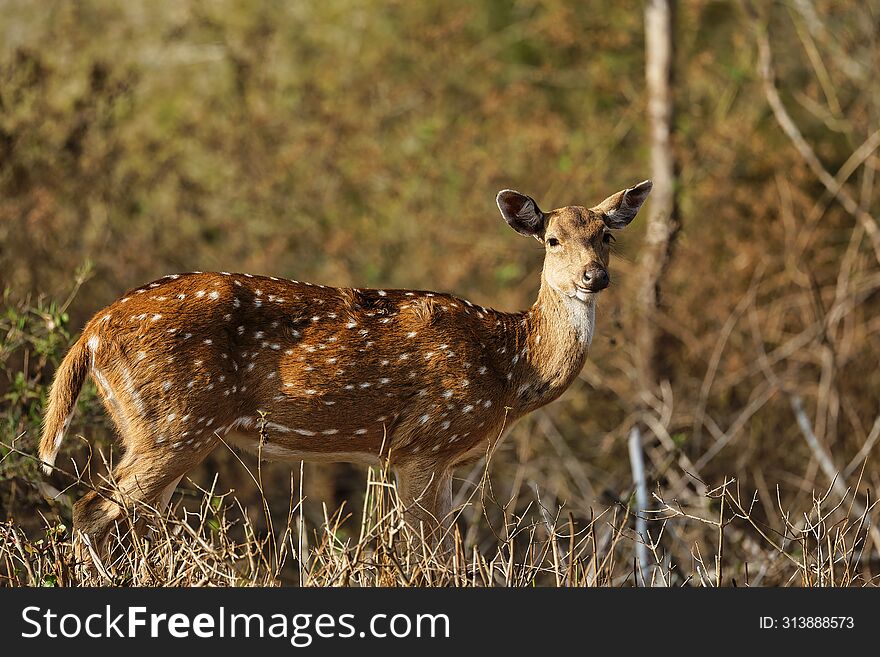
(656, 255)
(663, 223)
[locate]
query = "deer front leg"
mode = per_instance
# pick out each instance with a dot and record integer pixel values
(425, 491)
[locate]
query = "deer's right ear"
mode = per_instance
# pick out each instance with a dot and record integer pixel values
(521, 212)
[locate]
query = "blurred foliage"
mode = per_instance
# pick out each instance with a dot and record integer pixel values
(357, 142)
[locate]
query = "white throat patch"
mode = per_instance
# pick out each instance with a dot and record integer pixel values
(583, 317)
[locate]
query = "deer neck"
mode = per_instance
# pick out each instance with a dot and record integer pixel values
(549, 344)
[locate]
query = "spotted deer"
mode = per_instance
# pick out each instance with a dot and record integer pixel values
(425, 379)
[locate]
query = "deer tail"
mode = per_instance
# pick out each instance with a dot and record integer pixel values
(69, 380)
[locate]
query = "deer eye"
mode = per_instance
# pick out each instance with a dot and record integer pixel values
(552, 241)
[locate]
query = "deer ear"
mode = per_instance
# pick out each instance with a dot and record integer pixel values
(620, 208)
(521, 212)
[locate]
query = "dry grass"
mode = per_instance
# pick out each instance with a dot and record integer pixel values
(209, 538)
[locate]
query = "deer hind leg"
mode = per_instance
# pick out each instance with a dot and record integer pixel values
(143, 481)
(158, 452)
(425, 491)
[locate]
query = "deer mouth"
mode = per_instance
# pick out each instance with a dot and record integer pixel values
(582, 293)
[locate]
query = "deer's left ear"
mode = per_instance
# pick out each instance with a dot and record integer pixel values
(521, 212)
(620, 208)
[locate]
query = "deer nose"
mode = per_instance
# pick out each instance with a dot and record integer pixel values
(596, 278)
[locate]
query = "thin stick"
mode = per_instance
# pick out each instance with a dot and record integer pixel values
(637, 464)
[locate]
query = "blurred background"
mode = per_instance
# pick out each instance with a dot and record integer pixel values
(358, 142)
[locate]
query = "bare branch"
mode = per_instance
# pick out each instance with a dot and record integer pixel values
(838, 191)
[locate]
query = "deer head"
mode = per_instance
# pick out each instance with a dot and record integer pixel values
(576, 239)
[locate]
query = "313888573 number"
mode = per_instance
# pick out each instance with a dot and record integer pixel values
(817, 622)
